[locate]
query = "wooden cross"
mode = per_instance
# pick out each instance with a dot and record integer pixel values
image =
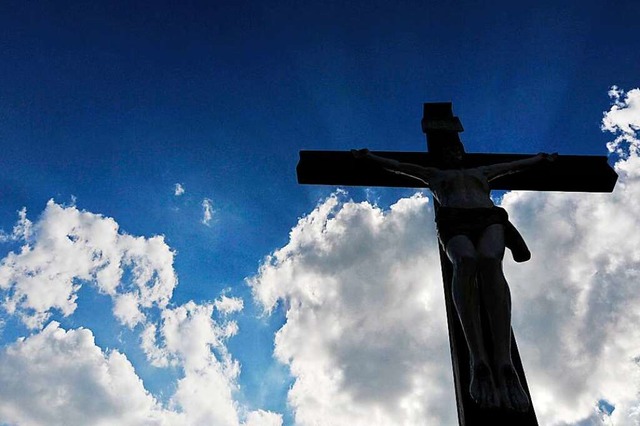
(569, 173)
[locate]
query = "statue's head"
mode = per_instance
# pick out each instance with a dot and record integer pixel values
(452, 155)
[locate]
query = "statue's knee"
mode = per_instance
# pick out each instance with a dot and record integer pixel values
(466, 263)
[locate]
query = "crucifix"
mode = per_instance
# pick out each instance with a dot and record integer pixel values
(490, 384)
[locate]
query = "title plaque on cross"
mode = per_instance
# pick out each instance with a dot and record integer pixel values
(490, 384)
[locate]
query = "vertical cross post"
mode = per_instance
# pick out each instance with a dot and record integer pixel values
(441, 128)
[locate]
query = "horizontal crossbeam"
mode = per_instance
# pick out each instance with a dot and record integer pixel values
(569, 173)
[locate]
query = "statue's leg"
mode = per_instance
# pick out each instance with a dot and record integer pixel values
(466, 299)
(497, 302)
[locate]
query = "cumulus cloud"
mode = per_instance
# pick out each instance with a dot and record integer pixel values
(189, 337)
(21, 230)
(263, 418)
(186, 337)
(197, 342)
(623, 120)
(66, 248)
(178, 189)
(49, 377)
(207, 211)
(59, 377)
(580, 316)
(228, 305)
(365, 337)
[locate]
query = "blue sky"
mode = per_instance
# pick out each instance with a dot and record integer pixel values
(106, 106)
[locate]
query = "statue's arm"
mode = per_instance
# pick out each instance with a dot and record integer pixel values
(495, 171)
(411, 170)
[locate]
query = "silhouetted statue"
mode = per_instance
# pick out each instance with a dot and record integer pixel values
(474, 233)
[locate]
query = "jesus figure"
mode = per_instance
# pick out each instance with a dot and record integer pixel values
(474, 233)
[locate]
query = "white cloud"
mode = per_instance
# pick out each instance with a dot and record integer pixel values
(66, 248)
(263, 418)
(576, 304)
(579, 318)
(365, 333)
(623, 119)
(127, 310)
(365, 337)
(59, 377)
(178, 189)
(21, 230)
(190, 338)
(189, 333)
(205, 391)
(227, 305)
(207, 211)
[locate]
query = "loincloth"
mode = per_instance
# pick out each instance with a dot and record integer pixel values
(452, 221)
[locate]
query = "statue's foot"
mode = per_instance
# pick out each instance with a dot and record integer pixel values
(482, 388)
(512, 394)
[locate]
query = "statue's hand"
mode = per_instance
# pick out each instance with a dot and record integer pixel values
(549, 157)
(360, 153)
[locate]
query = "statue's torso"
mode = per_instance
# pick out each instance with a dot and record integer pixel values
(462, 188)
